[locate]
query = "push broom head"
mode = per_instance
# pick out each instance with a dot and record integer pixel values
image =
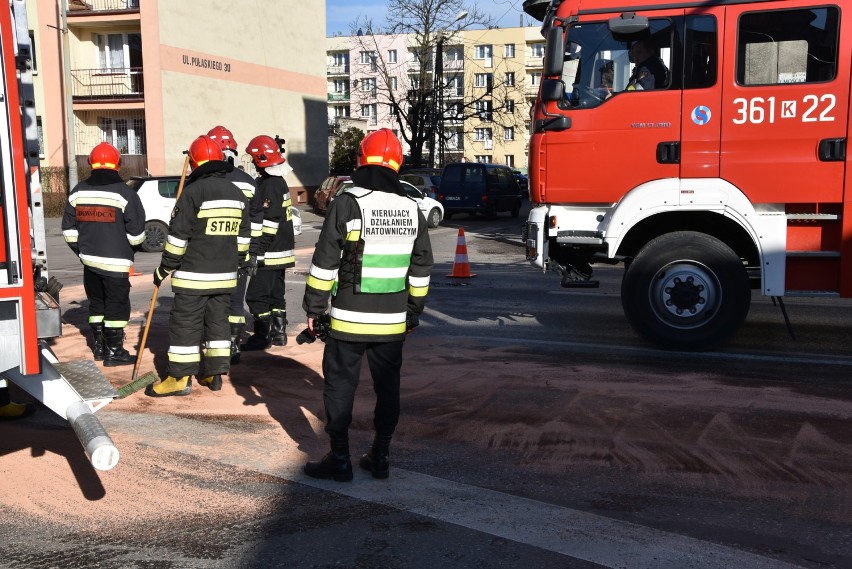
(140, 382)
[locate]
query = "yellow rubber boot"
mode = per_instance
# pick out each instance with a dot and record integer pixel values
(170, 387)
(214, 382)
(13, 410)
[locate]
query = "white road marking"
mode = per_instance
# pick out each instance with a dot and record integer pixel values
(590, 537)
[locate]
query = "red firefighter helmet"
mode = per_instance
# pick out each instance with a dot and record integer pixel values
(202, 150)
(224, 137)
(104, 156)
(381, 148)
(264, 151)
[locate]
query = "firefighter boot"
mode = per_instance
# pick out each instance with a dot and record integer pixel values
(10, 410)
(115, 354)
(236, 331)
(278, 329)
(99, 347)
(376, 460)
(214, 382)
(171, 386)
(260, 339)
(336, 464)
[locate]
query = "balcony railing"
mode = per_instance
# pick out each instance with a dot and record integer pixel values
(338, 97)
(78, 6)
(100, 84)
(337, 70)
(535, 62)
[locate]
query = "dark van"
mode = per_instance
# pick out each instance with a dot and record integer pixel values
(471, 187)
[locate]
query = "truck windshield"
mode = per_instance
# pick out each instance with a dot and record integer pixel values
(598, 65)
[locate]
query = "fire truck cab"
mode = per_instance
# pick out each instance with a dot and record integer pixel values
(722, 172)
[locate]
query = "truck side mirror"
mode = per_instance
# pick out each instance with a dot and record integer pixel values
(553, 52)
(552, 90)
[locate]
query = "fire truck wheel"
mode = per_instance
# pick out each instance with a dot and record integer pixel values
(156, 234)
(686, 291)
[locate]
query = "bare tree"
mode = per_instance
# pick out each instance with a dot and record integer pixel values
(412, 91)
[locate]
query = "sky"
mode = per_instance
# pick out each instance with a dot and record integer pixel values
(340, 14)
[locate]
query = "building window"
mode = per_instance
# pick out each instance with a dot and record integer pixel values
(340, 59)
(483, 80)
(483, 109)
(367, 56)
(510, 79)
(368, 84)
(393, 110)
(414, 81)
(510, 160)
(454, 54)
(127, 136)
(535, 78)
(537, 50)
(509, 106)
(391, 56)
(110, 51)
(341, 86)
(482, 52)
(483, 158)
(33, 54)
(509, 133)
(482, 134)
(341, 111)
(40, 131)
(509, 50)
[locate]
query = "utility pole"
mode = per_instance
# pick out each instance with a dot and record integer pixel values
(70, 139)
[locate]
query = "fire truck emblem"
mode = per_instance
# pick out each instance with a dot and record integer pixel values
(701, 115)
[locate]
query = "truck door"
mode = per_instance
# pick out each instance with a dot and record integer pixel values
(785, 103)
(625, 114)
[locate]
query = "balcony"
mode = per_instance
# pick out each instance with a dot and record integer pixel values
(534, 62)
(337, 70)
(76, 7)
(453, 64)
(125, 84)
(338, 97)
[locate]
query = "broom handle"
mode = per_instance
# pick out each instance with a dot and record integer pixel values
(156, 288)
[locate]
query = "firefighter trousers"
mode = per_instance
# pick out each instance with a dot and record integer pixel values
(237, 315)
(265, 292)
(197, 319)
(109, 298)
(341, 367)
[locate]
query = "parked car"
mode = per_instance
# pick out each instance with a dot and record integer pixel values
(432, 209)
(325, 193)
(472, 187)
(427, 180)
(158, 195)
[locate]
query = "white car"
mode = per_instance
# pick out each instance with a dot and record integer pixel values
(432, 210)
(158, 198)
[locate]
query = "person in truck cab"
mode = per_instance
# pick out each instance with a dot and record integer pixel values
(649, 72)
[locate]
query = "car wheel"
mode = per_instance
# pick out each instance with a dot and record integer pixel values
(156, 233)
(686, 291)
(434, 217)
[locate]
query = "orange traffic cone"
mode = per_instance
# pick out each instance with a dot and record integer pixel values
(461, 266)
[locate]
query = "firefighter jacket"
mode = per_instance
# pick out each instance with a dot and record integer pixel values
(248, 186)
(209, 233)
(373, 258)
(276, 244)
(104, 221)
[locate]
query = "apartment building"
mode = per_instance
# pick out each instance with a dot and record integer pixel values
(151, 76)
(490, 79)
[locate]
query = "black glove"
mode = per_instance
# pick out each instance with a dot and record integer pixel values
(249, 265)
(160, 275)
(412, 321)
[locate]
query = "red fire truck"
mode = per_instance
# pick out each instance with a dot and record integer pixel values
(29, 314)
(702, 145)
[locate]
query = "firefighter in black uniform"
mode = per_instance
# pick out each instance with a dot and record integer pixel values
(650, 72)
(246, 184)
(373, 259)
(274, 249)
(208, 240)
(9, 409)
(104, 221)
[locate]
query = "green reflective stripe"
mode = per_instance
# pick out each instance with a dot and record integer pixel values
(318, 284)
(184, 358)
(107, 267)
(220, 212)
(217, 352)
(418, 291)
(387, 261)
(237, 319)
(256, 232)
(115, 323)
(91, 200)
(174, 249)
(203, 285)
(367, 329)
(95, 319)
(243, 247)
(354, 235)
(263, 314)
(282, 261)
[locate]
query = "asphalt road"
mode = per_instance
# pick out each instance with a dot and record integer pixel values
(537, 431)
